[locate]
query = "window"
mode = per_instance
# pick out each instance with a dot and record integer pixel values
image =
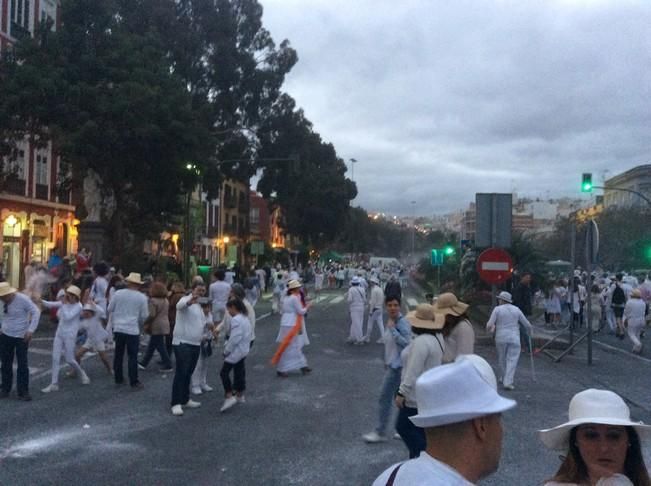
(254, 216)
(49, 12)
(19, 16)
(16, 164)
(41, 169)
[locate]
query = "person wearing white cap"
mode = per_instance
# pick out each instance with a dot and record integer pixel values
(600, 443)
(425, 352)
(356, 298)
(375, 304)
(91, 320)
(19, 323)
(460, 410)
(505, 321)
(68, 312)
(635, 318)
(128, 309)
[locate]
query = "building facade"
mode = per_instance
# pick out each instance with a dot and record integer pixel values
(35, 217)
(636, 179)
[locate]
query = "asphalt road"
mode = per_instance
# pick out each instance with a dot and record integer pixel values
(304, 430)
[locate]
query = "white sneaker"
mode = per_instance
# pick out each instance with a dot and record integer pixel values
(240, 399)
(396, 436)
(192, 404)
(228, 403)
(373, 437)
(196, 390)
(380, 341)
(177, 410)
(50, 388)
(509, 387)
(207, 388)
(85, 380)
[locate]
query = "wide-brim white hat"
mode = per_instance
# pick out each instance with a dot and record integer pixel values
(294, 284)
(592, 406)
(74, 290)
(456, 392)
(6, 289)
(134, 278)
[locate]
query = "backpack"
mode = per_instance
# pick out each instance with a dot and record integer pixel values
(619, 297)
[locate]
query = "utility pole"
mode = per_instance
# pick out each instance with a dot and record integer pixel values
(413, 227)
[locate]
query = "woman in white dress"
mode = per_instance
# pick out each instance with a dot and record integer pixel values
(292, 358)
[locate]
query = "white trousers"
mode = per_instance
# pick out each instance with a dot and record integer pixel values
(374, 317)
(65, 343)
(635, 326)
(357, 324)
(200, 372)
(610, 318)
(508, 355)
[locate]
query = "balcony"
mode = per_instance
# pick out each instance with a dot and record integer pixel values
(15, 186)
(230, 202)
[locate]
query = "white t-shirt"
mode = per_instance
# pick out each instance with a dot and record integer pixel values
(423, 471)
(218, 293)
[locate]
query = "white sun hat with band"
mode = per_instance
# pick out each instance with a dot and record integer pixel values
(592, 406)
(456, 392)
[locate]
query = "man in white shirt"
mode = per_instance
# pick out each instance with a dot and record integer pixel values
(460, 410)
(128, 310)
(218, 293)
(19, 322)
(375, 304)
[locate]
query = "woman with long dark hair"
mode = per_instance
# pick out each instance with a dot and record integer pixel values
(457, 330)
(601, 443)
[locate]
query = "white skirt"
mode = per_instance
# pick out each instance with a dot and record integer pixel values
(293, 357)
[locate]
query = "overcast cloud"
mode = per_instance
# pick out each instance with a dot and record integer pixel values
(440, 99)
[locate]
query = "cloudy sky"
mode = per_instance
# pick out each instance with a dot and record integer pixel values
(440, 99)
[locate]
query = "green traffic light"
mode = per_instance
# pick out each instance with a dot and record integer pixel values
(449, 250)
(586, 184)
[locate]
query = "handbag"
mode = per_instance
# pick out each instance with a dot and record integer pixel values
(206, 348)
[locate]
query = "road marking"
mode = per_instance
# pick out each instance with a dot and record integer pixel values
(623, 351)
(44, 352)
(263, 316)
(412, 302)
(336, 300)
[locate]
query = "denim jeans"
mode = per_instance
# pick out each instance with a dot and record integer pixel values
(187, 356)
(239, 376)
(389, 388)
(8, 347)
(414, 437)
(131, 343)
(157, 343)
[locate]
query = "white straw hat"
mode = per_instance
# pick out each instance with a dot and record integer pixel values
(134, 278)
(293, 284)
(592, 406)
(456, 392)
(74, 290)
(6, 289)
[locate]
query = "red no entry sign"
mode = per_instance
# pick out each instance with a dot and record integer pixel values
(495, 266)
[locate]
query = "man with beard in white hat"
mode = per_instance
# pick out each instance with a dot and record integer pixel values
(460, 410)
(505, 321)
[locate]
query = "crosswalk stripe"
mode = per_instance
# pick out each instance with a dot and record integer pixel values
(44, 352)
(338, 299)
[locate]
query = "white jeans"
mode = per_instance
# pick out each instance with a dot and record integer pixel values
(635, 326)
(357, 324)
(200, 372)
(508, 355)
(65, 343)
(374, 317)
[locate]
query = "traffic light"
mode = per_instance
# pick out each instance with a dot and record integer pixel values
(449, 249)
(586, 184)
(436, 258)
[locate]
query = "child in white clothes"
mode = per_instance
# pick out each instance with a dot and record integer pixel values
(68, 313)
(236, 350)
(199, 383)
(91, 320)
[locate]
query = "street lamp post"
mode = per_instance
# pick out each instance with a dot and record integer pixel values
(352, 169)
(413, 227)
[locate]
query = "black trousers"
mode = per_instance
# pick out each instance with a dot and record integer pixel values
(131, 343)
(10, 346)
(239, 376)
(187, 356)
(414, 437)
(157, 343)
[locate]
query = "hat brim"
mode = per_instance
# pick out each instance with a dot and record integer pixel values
(557, 438)
(423, 323)
(7, 290)
(457, 309)
(497, 404)
(504, 299)
(134, 281)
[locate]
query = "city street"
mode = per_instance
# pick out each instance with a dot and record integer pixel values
(303, 430)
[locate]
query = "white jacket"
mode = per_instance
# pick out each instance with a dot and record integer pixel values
(505, 320)
(356, 296)
(239, 343)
